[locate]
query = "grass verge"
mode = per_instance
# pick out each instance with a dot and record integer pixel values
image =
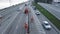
(46, 13)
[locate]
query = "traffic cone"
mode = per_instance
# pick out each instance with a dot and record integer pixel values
(26, 26)
(26, 11)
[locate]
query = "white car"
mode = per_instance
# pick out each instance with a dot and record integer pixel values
(37, 13)
(34, 8)
(46, 25)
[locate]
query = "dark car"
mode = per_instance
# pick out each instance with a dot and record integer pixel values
(25, 4)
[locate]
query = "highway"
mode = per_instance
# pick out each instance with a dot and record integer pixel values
(52, 9)
(18, 26)
(35, 25)
(9, 16)
(13, 21)
(56, 5)
(42, 18)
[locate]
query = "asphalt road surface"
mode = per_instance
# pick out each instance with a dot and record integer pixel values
(42, 18)
(18, 26)
(9, 15)
(15, 18)
(35, 25)
(52, 9)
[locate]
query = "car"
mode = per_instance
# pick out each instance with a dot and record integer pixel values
(18, 9)
(34, 7)
(26, 4)
(46, 25)
(37, 13)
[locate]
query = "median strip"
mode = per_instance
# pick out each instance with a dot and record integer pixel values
(47, 14)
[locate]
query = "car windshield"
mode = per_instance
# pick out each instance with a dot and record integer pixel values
(46, 24)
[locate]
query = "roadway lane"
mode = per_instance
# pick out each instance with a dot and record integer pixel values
(6, 13)
(7, 17)
(56, 5)
(6, 24)
(18, 26)
(15, 23)
(52, 9)
(10, 15)
(34, 25)
(42, 18)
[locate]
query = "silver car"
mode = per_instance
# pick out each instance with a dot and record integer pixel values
(34, 8)
(37, 12)
(46, 25)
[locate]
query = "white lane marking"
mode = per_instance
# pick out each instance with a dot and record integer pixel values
(19, 22)
(9, 24)
(37, 23)
(17, 27)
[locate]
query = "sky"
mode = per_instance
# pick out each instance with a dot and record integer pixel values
(7, 3)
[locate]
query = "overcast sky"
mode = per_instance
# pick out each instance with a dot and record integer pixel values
(7, 3)
(12, 1)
